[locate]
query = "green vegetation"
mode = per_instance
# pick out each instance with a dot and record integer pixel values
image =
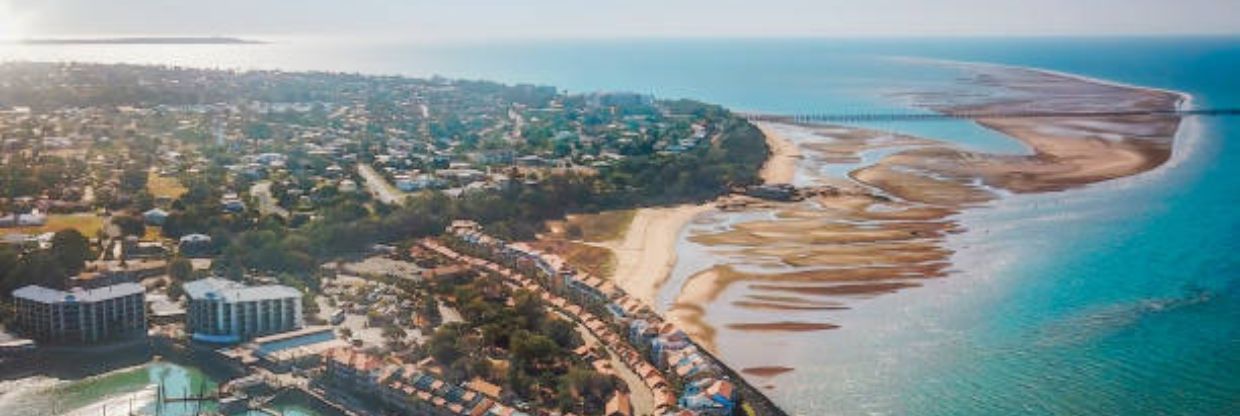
(516, 213)
(194, 142)
(50, 267)
(535, 344)
(71, 250)
(600, 227)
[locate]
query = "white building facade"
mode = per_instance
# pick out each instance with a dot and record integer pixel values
(81, 315)
(224, 311)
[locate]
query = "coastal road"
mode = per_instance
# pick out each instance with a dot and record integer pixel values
(379, 186)
(267, 205)
(640, 396)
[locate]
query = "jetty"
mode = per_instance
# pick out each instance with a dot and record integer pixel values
(865, 117)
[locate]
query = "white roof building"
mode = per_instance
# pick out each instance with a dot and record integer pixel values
(224, 311)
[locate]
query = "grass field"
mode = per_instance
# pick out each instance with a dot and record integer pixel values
(87, 224)
(597, 261)
(164, 186)
(594, 228)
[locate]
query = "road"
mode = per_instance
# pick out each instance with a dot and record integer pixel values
(640, 396)
(267, 205)
(379, 186)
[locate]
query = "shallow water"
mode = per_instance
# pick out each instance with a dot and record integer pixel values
(119, 392)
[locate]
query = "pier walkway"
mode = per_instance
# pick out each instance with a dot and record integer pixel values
(891, 117)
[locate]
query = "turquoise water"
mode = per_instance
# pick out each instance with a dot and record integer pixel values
(1119, 299)
(117, 392)
(1122, 298)
(296, 342)
(120, 392)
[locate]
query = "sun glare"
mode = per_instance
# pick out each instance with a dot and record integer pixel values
(11, 25)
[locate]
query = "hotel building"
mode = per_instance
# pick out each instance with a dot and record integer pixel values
(224, 311)
(81, 315)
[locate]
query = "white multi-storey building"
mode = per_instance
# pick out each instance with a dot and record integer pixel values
(224, 311)
(81, 315)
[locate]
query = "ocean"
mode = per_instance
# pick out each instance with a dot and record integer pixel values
(1118, 298)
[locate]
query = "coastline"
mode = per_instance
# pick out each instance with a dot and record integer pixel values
(781, 165)
(886, 227)
(646, 253)
(1185, 97)
(859, 379)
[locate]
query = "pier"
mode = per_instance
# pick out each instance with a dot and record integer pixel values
(230, 402)
(968, 115)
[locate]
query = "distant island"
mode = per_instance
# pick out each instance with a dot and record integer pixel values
(183, 40)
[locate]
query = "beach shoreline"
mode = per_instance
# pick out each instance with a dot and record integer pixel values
(781, 164)
(886, 229)
(646, 252)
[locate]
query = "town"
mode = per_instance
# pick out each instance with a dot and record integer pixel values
(355, 240)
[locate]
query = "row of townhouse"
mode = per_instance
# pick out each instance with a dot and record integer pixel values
(405, 387)
(707, 391)
(664, 397)
(553, 269)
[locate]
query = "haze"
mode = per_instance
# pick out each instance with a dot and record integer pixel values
(493, 19)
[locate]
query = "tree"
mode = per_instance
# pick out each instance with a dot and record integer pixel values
(430, 310)
(562, 332)
(175, 290)
(129, 225)
(71, 250)
(591, 387)
(529, 307)
(8, 267)
(443, 345)
(394, 334)
(531, 350)
(40, 268)
(133, 179)
(258, 131)
(180, 269)
(143, 201)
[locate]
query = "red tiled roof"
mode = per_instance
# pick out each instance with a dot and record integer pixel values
(482, 386)
(721, 387)
(619, 405)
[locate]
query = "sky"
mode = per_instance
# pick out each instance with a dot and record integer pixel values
(487, 20)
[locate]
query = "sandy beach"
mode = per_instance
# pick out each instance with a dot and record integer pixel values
(646, 253)
(781, 165)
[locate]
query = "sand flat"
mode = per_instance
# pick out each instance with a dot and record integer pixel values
(883, 228)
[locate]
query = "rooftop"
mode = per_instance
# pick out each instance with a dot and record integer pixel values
(230, 291)
(47, 295)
